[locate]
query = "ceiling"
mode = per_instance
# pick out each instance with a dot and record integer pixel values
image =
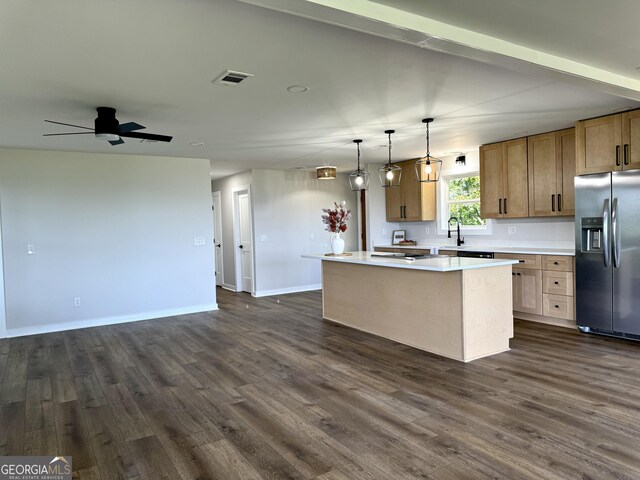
(154, 60)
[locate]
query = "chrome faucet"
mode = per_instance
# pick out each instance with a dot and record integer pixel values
(459, 241)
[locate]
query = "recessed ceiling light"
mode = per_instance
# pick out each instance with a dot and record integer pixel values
(197, 144)
(297, 89)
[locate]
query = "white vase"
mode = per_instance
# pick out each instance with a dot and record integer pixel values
(337, 244)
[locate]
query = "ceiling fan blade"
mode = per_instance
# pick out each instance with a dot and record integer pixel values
(147, 136)
(68, 124)
(116, 142)
(75, 133)
(129, 127)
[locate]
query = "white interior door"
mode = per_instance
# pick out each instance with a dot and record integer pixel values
(217, 237)
(245, 245)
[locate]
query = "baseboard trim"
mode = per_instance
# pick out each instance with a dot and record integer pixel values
(558, 322)
(284, 291)
(100, 322)
(231, 288)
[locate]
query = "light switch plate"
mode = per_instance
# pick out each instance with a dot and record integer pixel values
(263, 238)
(198, 241)
(31, 249)
(512, 230)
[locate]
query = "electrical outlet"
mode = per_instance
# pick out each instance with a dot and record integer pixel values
(512, 230)
(312, 237)
(384, 231)
(427, 230)
(77, 302)
(198, 241)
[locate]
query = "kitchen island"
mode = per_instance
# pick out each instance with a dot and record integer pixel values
(459, 308)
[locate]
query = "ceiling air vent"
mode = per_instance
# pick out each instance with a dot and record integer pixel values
(229, 78)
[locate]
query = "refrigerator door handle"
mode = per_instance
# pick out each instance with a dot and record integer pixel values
(605, 234)
(615, 233)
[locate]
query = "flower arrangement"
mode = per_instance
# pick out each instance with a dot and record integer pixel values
(336, 219)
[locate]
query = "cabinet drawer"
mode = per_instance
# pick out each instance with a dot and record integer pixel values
(557, 263)
(559, 283)
(558, 306)
(526, 261)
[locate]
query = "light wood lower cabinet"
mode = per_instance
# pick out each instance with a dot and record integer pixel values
(543, 287)
(527, 290)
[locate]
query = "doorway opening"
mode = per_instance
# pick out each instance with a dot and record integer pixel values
(217, 238)
(243, 239)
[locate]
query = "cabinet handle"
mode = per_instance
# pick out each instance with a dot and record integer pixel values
(505, 206)
(400, 211)
(500, 206)
(521, 261)
(555, 263)
(404, 211)
(559, 202)
(626, 154)
(556, 283)
(557, 306)
(618, 155)
(518, 274)
(553, 202)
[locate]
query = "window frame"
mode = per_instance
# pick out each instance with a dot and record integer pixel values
(443, 205)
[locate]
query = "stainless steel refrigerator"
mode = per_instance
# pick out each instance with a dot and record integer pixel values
(608, 253)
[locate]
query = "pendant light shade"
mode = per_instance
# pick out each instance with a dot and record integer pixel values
(390, 174)
(359, 180)
(326, 173)
(428, 168)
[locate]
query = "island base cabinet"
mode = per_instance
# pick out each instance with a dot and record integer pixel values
(464, 315)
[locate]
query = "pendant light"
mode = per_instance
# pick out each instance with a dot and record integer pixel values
(390, 174)
(326, 172)
(428, 168)
(359, 180)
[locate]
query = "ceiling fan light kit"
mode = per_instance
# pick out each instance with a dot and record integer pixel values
(107, 127)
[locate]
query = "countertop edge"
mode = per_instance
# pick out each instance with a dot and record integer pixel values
(485, 248)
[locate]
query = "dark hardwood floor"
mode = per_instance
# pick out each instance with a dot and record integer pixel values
(263, 389)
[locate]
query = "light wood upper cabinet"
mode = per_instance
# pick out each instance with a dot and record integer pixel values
(608, 143)
(412, 201)
(631, 140)
(503, 179)
(566, 165)
(551, 158)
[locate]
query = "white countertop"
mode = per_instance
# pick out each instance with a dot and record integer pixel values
(441, 264)
(491, 248)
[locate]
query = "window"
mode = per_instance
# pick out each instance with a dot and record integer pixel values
(460, 197)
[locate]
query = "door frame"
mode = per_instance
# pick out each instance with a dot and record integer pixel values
(237, 257)
(218, 235)
(3, 317)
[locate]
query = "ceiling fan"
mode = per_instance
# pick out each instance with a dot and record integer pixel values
(108, 127)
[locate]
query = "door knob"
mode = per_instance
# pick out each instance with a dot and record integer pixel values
(218, 245)
(240, 246)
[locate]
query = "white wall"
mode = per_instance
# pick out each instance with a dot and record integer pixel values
(3, 332)
(116, 231)
(225, 186)
(287, 209)
(538, 232)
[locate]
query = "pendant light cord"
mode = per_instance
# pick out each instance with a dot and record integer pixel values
(428, 149)
(389, 149)
(358, 145)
